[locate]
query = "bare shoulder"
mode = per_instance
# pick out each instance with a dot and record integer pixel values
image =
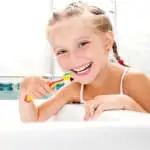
(136, 79)
(137, 86)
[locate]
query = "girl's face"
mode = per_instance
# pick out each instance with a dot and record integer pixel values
(79, 49)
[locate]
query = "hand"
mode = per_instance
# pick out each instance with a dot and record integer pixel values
(110, 102)
(35, 87)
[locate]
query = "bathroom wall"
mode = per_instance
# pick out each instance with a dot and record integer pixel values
(23, 46)
(133, 33)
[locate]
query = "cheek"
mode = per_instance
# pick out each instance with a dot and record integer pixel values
(100, 55)
(63, 63)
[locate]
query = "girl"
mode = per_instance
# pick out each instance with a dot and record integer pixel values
(82, 38)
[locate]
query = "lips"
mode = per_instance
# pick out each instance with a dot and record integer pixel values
(83, 68)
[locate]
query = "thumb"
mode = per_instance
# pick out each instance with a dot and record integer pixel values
(89, 111)
(86, 115)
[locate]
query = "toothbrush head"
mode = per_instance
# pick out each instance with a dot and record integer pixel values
(67, 76)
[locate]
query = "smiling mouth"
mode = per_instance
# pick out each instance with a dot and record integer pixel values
(84, 69)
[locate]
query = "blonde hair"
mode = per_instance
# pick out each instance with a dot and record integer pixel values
(100, 19)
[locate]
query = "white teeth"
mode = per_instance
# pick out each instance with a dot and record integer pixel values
(82, 68)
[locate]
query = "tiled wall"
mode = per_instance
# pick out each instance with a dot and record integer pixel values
(9, 87)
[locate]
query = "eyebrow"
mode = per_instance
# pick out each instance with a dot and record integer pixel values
(76, 39)
(58, 49)
(83, 38)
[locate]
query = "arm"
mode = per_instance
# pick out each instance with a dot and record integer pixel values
(137, 86)
(30, 113)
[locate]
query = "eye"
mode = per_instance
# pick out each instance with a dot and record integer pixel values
(83, 43)
(61, 52)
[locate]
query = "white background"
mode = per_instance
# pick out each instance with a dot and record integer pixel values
(24, 49)
(22, 36)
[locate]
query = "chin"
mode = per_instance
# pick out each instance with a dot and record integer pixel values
(85, 80)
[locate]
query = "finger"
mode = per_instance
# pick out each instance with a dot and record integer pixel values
(86, 111)
(44, 83)
(90, 108)
(86, 116)
(92, 111)
(106, 107)
(42, 90)
(37, 95)
(98, 111)
(46, 87)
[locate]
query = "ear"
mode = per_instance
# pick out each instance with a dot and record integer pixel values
(109, 40)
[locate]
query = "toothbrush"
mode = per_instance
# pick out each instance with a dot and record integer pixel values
(56, 85)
